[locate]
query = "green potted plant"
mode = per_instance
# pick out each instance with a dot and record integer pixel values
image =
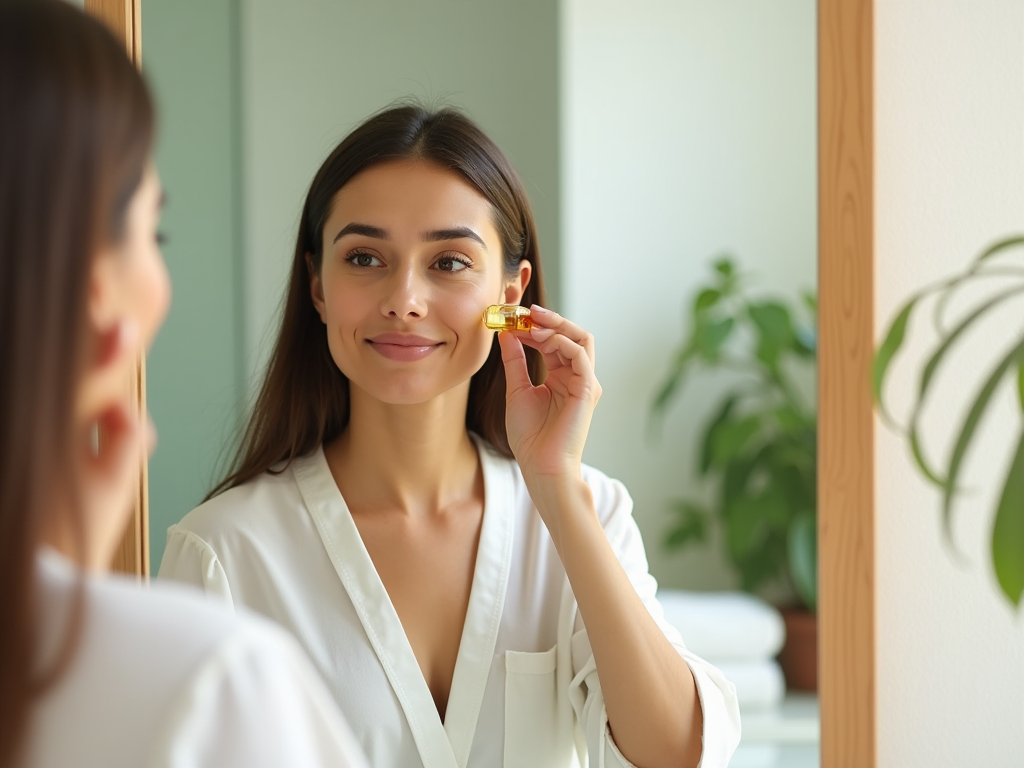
(757, 448)
(994, 278)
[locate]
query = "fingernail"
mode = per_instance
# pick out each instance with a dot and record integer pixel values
(541, 334)
(540, 310)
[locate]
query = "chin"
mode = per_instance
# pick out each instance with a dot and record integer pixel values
(409, 389)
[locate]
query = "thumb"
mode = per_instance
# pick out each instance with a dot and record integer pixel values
(517, 376)
(124, 441)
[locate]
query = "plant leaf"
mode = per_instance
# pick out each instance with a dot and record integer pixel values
(744, 527)
(711, 335)
(806, 342)
(692, 527)
(968, 429)
(1000, 245)
(1008, 530)
(811, 302)
(1020, 384)
(773, 321)
(674, 379)
(724, 266)
(888, 349)
(928, 375)
(707, 442)
(733, 437)
(706, 299)
(917, 451)
(803, 558)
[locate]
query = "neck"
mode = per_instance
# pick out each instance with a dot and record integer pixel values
(416, 459)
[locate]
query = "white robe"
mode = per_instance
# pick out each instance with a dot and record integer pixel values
(160, 678)
(525, 691)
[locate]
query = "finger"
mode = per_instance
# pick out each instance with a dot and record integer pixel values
(517, 376)
(121, 338)
(121, 440)
(568, 353)
(546, 318)
(551, 360)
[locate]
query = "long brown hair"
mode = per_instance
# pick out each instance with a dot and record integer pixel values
(75, 136)
(304, 399)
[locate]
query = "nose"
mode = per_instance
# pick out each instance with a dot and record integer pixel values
(405, 295)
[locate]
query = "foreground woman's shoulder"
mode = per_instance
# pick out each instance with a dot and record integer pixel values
(178, 677)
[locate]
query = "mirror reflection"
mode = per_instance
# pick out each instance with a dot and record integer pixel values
(651, 139)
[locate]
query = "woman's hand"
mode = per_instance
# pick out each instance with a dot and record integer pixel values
(548, 424)
(115, 441)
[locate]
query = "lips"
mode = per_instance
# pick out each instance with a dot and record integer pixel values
(404, 347)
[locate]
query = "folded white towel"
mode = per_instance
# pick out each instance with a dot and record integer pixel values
(724, 626)
(759, 684)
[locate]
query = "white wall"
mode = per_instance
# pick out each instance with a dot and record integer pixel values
(689, 128)
(949, 180)
(314, 69)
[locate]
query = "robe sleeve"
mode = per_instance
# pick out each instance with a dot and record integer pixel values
(719, 705)
(191, 560)
(255, 702)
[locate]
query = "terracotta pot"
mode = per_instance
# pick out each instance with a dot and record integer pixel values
(799, 656)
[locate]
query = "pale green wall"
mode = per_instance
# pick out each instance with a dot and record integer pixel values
(190, 55)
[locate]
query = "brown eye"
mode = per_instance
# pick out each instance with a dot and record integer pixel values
(363, 259)
(451, 264)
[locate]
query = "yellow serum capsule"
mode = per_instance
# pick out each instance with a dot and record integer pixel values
(507, 317)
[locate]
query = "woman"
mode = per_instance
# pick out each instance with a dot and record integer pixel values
(409, 497)
(93, 670)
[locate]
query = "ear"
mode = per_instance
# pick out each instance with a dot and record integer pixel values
(515, 288)
(316, 289)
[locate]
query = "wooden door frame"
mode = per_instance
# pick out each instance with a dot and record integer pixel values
(846, 440)
(124, 18)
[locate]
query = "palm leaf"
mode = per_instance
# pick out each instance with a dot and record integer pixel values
(928, 376)
(886, 352)
(999, 246)
(1020, 384)
(1008, 530)
(968, 429)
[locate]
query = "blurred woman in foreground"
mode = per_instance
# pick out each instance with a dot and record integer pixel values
(94, 670)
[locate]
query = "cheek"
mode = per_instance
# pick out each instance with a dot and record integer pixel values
(151, 289)
(465, 317)
(345, 306)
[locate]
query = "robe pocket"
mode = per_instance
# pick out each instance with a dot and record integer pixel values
(533, 724)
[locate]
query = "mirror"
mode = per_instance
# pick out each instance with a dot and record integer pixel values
(652, 137)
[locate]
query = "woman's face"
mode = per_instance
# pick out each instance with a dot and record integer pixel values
(129, 294)
(411, 260)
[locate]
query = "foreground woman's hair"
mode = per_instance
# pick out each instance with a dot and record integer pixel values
(75, 137)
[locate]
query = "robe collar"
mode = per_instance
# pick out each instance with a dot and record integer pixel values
(441, 745)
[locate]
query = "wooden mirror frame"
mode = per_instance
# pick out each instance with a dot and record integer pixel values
(846, 503)
(124, 17)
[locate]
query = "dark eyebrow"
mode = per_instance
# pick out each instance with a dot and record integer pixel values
(455, 233)
(362, 229)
